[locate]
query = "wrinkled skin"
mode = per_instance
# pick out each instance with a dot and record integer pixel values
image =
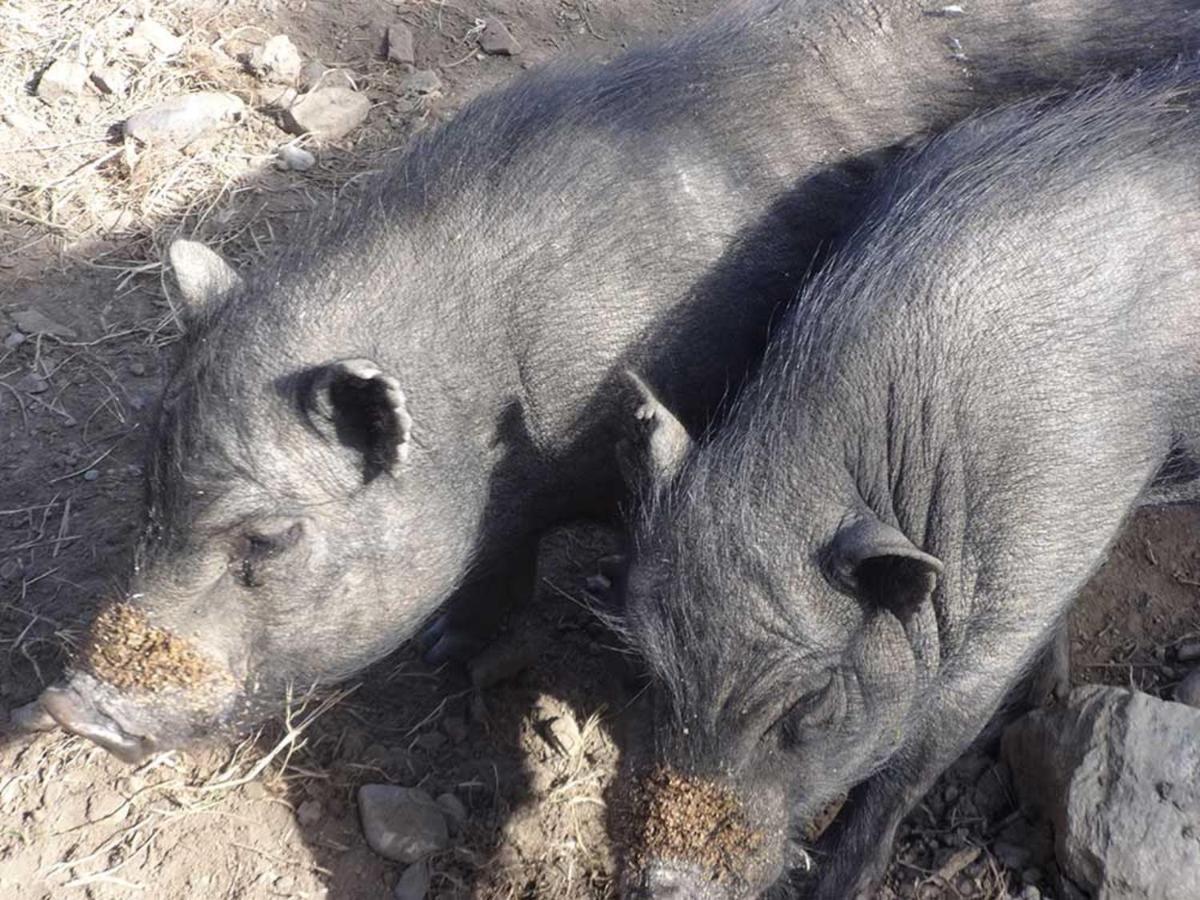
(384, 418)
(837, 589)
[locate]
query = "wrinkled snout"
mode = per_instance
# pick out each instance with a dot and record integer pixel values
(669, 880)
(81, 715)
(140, 688)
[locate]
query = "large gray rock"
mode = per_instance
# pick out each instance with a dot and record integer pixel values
(184, 118)
(328, 113)
(404, 824)
(1118, 775)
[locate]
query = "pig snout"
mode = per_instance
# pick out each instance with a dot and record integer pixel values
(668, 880)
(138, 687)
(80, 714)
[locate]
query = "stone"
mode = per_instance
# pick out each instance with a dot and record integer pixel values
(111, 80)
(14, 339)
(455, 809)
(495, 39)
(309, 812)
(423, 81)
(91, 475)
(184, 118)
(277, 61)
(1188, 690)
(328, 113)
(31, 383)
(401, 824)
(400, 45)
(1187, 651)
(413, 883)
(276, 96)
(295, 159)
(310, 75)
(30, 718)
(22, 121)
(137, 368)
(1115, 773)
(598, 585)
(158, 36)
(64, 78)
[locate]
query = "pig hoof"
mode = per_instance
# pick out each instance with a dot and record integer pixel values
(452, 647)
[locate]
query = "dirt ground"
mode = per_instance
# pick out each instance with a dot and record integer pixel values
(83, 222)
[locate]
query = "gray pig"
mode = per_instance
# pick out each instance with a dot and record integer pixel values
(386, 417)
(836, 590)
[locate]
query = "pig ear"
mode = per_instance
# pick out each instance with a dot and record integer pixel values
(658, 443)
(202, 274)
(876, 562)
(353, 403)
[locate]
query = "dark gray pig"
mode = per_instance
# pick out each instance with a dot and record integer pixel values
(836, 590)
(387, 416)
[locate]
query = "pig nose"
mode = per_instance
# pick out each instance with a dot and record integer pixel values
(80, 715)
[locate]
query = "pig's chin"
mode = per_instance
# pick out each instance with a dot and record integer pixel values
(134, 726)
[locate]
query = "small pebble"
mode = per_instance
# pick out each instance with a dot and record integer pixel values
(414, 883)
(310, 74)
(31, 321)
(14, 339)
(297, 159)
(497, 40)
(23, 122)
(598, 585)
(1187, 651)
(31, 384)
(277, 60)
(158, 36)
(137, 368)
(309, 812)
(400, 45)
(31, 717)
(64, 78)
(454, 809)
(1188, 690)
(110, 80)
(423, 81)
(91, 475)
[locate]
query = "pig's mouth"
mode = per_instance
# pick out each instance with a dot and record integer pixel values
(84, 717)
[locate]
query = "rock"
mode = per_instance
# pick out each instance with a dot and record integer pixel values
(116, 221)
(31, 321)
(14, 339)
(137, 47)
(1115, 772)
(1187, 651)
(157, 36)
(309, 812)
(21, 121)
(184, 118)
(328, 113)
(598, 585)
(499, 662)
(455, 728)
(64, 78)
(400, 45)
(402, 824)
(297, 159)
(430, 741)
(30, 718)
(276, 96)
(423, 81)
(137, 368)
(111, 80)
(413, 884)
(496, 39)
(1188, 690)
(1013, 857)
(277, 60)
(455, 809)
(31, 384)
(310, 75)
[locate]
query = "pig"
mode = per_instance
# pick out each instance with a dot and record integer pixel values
(835, 589)
(378, 423)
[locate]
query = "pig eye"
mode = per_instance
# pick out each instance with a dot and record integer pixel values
(257, 548)
(812, 711)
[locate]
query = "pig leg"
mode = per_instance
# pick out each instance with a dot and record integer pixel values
(478, 610)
